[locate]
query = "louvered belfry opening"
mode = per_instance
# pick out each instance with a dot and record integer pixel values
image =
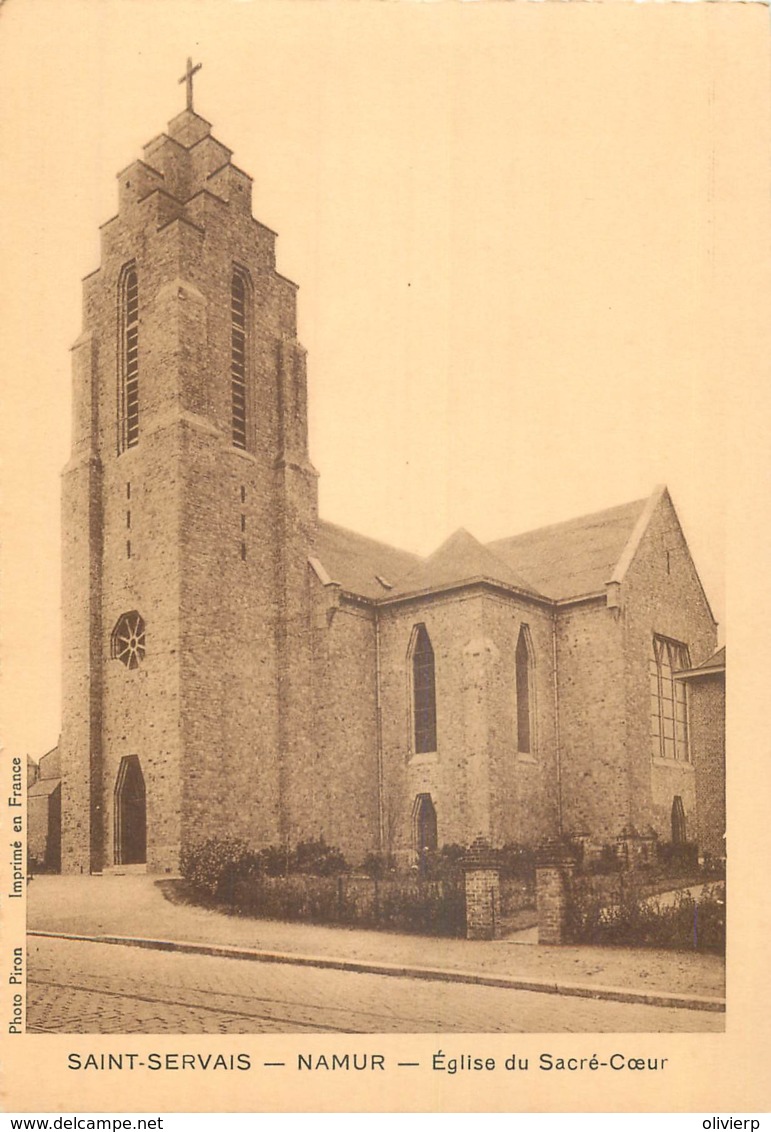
(128, 423)
(238, 357)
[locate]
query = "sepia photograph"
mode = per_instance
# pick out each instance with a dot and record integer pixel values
(365, 668)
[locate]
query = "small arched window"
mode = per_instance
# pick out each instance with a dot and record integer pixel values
(678, 821)
(423, 691)
(128, 391)
(239, 344)
(523, 662)
(424, 824)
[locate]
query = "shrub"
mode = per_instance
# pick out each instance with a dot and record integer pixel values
(678, 858)
(517, 862)
(217, 865)
(378, 865)
(623, 916)
(318, 859)
(440, 864)
(602, 862)
(213, 866)
(713, 867)
(274, 861)
(415, 904)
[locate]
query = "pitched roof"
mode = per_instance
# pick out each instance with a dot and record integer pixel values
(356, 562)
(564, 560)
(575, 557)
(44, 787)
(710, 667)
(459, 559)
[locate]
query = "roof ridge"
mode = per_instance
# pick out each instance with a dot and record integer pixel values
(485, 564)
(567, 522)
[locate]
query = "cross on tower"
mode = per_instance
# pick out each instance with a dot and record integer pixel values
(188, 79)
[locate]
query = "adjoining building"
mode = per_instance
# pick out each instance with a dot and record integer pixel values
(44, 814)
(706, 720)
(234, 665)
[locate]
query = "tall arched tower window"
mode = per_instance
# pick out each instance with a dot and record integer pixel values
(423, 692)
(128, 392)
(239, 344)
(524, 679)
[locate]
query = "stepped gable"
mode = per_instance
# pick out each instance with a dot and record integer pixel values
(461, 558)
(577, 557)
(180, 169)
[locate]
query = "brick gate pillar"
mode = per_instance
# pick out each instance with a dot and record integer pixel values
(555, 865)
(483, 891)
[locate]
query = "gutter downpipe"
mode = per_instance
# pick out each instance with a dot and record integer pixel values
(557, 722)
(379, 737)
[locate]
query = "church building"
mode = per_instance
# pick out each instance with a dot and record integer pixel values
(236, 666)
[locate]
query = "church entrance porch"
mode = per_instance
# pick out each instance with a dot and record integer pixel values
(130, 813)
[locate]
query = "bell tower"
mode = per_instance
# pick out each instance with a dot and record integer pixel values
(189, 513)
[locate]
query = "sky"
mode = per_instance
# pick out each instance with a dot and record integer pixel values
(524, 237)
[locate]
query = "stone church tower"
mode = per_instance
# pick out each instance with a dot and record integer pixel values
(189, 513)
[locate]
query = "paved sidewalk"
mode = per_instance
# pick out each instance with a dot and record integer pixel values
(135, 907)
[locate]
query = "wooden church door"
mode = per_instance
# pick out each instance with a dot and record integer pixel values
(130, 814)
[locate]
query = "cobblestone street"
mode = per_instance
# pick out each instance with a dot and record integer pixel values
(77, 987)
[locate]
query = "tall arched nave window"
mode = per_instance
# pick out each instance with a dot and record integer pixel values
(523, 661)
(423, 692)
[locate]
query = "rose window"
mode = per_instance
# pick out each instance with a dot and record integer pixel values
(128, 639)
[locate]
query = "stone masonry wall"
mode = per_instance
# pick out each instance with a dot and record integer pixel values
(337, 798)
(661, 595)
(706, 706)
(479, 783)
(591, 691)
(80, 744)
(523, 785)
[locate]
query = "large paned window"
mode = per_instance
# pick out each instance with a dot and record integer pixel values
(669, 715)
(239, 292)
(524, 677)
(128, 393)
(423, 691)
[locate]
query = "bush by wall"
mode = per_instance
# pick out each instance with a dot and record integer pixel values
(618, 912)
(517, 862)
(411, 904)
(309, 884)
(213, 866)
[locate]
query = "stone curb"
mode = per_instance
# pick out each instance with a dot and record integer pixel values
(433, 974)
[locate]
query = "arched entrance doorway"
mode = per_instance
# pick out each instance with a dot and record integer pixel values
(424, 816)
(130, 813)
